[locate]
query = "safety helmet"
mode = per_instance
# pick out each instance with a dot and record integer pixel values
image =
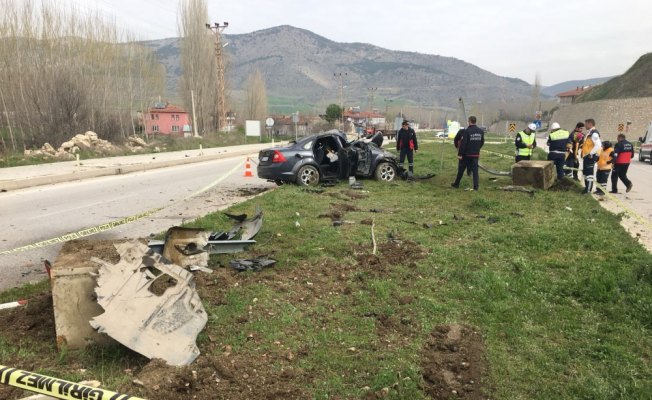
(532, 126)
(554, 126)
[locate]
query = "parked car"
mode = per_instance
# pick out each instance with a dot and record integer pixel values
(325, 156)
(645, 152)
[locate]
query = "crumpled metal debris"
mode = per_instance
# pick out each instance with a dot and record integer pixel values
(149, 305)
(252, 264)
(192, 246)
(185, 246)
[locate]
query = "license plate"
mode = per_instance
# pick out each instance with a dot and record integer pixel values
(264, 158)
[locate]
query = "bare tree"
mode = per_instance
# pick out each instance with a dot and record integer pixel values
(198, 63)
(62, 73)
(256, 97)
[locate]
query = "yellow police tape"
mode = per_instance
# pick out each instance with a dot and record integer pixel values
(497, 154)
(113, 224)
(55, 387)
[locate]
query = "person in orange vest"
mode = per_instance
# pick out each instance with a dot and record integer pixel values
(406, 144)
(605, 165)
(590, 149)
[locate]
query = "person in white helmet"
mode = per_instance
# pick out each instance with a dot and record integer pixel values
(590, 149)
(559, 144)
(525, 142)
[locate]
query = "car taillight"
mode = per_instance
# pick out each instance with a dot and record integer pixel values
(278, 157)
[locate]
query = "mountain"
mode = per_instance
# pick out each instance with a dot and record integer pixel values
(636, 82)
(570, 85)
(299, 67)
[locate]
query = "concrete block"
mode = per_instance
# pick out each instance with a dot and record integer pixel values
(538, 174)
(73, 278)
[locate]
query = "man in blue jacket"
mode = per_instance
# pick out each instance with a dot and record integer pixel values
(559, 145)
(468, 152)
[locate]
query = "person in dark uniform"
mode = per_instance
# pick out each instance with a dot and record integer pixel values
(406, 145)
(468, 152)
(558, 143)
(623, 154)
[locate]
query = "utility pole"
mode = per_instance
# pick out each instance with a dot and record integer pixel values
(372, 92)
(217, 30)
(341, 76)
(194, 114)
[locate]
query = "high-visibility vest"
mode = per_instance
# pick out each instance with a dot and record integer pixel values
(588, 144)
(604, 157)
(526, 139)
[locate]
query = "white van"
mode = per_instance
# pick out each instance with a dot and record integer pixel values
(645, 153)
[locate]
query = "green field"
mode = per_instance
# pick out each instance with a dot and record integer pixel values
(557, 293)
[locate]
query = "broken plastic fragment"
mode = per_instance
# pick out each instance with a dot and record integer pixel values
(149, 305)
(252, 264)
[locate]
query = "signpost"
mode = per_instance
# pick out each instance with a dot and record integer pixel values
(295, 119)
(512, 127)
(269, 122)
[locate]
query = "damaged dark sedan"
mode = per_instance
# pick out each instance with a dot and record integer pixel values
(325, 157)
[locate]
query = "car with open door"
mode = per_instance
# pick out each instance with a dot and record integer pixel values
(325, 157)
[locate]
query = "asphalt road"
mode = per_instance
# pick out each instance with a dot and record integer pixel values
(34, 214)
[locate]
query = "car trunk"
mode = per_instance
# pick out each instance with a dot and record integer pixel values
(266, 157)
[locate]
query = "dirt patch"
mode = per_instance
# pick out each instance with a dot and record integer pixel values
(393, 253)
(453, 363)
(565, 185)
(252, 191)
(355, 195)
(343, 207)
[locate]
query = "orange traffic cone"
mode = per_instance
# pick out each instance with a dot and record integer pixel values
(248, 173)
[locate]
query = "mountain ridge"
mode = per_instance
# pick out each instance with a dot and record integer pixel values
(299, 64)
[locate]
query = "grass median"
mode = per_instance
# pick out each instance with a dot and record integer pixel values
(470, 295)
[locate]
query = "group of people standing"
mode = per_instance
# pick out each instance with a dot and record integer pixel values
(468, 142)
(566, 149)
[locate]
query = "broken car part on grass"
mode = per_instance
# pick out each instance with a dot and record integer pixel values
(192, 246)
(149, 305)
(252, 264)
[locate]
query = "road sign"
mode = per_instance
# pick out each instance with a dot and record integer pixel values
(269, 122)
(295, 117)
(512, 127)
(621, 127)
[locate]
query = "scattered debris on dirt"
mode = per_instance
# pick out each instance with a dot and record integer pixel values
(453, 363)
(393, 253)
(252, 264)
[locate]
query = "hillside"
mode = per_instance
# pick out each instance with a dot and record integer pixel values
(298, 66)
(636, 82)
(570, 85)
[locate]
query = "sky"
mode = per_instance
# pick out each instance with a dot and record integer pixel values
(558, 40)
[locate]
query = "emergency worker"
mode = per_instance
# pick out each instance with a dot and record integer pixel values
(468, 152)
(406, 144)
(590, 149)
(572, 160)
(605, 165)
(526, 141)
(623, 153)
(559, 145)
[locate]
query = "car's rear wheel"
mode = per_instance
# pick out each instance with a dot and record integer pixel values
(308, 175)
(385, 172)
(640, 156)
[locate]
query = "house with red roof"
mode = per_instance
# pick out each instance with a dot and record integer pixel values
(569, 96)
(167, 119)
